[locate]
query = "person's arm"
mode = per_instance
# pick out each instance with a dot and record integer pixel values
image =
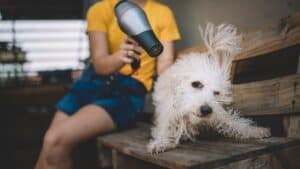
(166, 58)
(105, 63)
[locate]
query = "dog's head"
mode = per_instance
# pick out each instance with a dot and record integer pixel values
(201, 81)
(200, 86)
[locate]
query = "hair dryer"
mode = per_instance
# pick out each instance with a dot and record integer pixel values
(133, 21)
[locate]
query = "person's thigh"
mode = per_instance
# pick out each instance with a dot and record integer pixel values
(88, 122)
(58, 117)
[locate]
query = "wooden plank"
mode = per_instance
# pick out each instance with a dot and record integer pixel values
(104, 156)
(275, 36)
(298, 68)
(202, 154)
(278, 35)
(289, 157)
(284, 159)
(259, 162)
(292, 126)
(275, 96)
(123, 161)
(233, 70)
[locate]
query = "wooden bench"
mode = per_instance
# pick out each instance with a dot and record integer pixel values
(129, 152)
(266, 80)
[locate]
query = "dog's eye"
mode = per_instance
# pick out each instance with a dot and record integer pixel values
(216, 93)
(197, 84)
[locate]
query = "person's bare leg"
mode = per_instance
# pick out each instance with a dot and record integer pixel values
(59, 116)
(88, 122)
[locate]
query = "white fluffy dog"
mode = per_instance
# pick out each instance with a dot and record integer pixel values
(194, 93)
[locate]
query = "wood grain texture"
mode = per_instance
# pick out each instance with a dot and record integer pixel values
(284, 159)
(123, 161)
(292, 126)
(275, 36)
(298, 68)
(202, 154)
(275, 96)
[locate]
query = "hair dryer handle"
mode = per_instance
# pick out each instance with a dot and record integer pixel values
(135, 64)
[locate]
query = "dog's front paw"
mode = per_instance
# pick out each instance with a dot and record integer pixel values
(260, 133)
(263, 132)
(156, 147)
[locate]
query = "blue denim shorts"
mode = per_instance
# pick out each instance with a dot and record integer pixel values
(122, 96)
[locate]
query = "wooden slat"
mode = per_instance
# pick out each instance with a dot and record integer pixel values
(275, 96)
(298, 68)
(284, 159)
(292, 126)
(277, 35)
(123, 161)
(202, 154)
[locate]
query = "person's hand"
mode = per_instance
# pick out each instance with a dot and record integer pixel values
(130, 51)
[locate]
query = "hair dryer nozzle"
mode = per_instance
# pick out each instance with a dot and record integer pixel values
(149, 43)
(133, 21)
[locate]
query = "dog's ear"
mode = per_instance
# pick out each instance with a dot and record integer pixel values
(222, 42)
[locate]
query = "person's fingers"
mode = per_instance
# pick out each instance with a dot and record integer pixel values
(130, 50)
(127, 60)
(131, 41)
(133, 55)
(129, 47)
(126, 46)
(129, 56)
(130, 53)
(138, 50)
(124, 58)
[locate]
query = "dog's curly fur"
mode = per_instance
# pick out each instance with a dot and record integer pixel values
(196, 80)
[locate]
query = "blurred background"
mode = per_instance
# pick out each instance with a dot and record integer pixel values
(43, 47)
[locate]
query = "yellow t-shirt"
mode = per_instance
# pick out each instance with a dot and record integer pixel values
(100, 17)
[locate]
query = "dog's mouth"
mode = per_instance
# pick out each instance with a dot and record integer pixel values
(204, 111)
(200, 115)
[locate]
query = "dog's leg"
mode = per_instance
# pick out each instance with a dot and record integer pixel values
(231, 125)
(165, 136)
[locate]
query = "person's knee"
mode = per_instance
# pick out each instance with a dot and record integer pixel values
(55, 145)
(51, 139)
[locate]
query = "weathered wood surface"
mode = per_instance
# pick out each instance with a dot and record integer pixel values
(202, 154)
(298, 67)
(275, 96)
(123, 161)
(292, 126)
(275, 36)
(278, 35)
(284, 159)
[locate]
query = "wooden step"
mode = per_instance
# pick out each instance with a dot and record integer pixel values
(129, 151)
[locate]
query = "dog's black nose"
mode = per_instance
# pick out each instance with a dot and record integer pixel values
(205, 110)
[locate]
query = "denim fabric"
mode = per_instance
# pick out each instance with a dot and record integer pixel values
(121, 96)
